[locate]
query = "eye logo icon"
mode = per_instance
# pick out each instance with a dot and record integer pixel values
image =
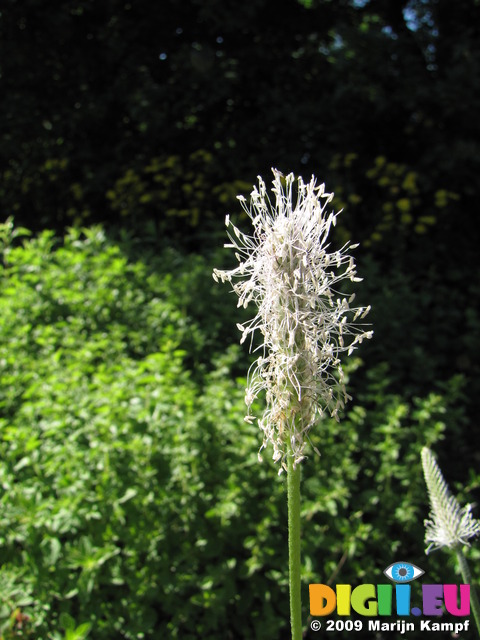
(402, 572)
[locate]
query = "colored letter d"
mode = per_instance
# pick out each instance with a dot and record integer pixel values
(322, 599)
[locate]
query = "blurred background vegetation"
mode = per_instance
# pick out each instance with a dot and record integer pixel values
(132, 503)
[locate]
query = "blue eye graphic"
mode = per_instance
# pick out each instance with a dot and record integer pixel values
(403, 572)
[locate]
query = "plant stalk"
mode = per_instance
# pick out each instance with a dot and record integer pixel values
(293, 488)
(467, 578)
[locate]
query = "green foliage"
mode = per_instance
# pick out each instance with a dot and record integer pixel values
(133, 504)
(112, 454)
(72, 632)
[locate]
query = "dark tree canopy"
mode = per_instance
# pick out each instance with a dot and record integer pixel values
(92, 91)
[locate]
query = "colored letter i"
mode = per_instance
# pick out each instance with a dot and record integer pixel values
(384, 597)
(402, 594)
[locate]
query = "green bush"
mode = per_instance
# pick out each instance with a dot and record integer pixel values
(133, 504)
(116, 448)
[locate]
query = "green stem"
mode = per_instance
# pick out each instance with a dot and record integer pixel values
(467, 578)
(293, 487)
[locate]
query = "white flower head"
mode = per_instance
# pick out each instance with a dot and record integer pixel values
(286, 269)
(450, 525)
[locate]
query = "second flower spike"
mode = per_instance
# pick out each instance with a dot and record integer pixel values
(450, 525)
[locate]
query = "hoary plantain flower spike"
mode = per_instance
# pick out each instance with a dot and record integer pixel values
(286, 269)
(450, 525)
